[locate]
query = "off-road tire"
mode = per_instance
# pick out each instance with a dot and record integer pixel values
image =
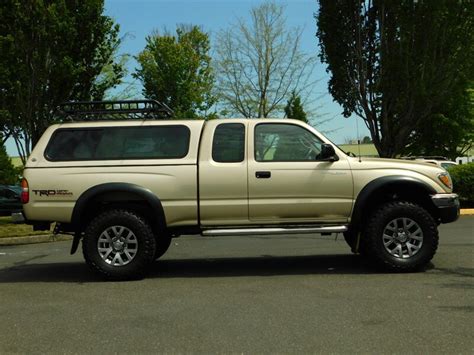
(162, 246)
(380, 219)
(139, 265)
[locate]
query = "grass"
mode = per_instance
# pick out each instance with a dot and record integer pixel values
(10, 229)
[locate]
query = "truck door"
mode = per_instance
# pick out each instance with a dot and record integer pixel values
(223, 198)
(288, 184)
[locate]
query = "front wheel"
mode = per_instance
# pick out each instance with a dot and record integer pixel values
(401, 236)
(119, 245)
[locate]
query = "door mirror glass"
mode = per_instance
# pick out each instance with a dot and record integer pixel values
(327, 153)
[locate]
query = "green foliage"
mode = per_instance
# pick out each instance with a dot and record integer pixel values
(294, 108)
(366, 140)
(463, 181)
(402, 66)
(449, 131)
(52, 51)
(8, 173)
(176, 70)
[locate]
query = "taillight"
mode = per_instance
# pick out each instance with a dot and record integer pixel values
(25, 191)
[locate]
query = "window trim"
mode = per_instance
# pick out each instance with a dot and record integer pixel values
(213, 139)
(56, 132)
(282, 161)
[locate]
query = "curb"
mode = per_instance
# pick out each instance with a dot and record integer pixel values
(34, 239)
(467, 211)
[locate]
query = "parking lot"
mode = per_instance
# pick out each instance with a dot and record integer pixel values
(295, 294)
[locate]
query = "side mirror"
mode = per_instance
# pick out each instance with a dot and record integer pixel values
(327, 153)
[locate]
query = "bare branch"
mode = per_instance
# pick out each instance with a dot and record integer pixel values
(260, 63)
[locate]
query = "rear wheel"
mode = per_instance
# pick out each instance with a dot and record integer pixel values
(119, 245)
(401, 236)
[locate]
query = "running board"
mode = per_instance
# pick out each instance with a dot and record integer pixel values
(273, 230)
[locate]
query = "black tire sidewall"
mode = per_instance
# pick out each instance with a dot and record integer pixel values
(146, 244)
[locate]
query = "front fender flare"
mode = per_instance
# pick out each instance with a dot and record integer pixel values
(377, 186)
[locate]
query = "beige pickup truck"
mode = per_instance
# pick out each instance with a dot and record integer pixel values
(127, 187)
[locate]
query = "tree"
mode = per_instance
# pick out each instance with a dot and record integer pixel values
(51, 52)
(176, 70)
(8, 173)
(450, 130)
(366, 140)
(294, 108)
(261, 63)
(397, 64)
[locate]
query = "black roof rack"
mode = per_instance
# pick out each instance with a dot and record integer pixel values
(113, 110)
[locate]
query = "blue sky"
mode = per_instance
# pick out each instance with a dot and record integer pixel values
(138, 18)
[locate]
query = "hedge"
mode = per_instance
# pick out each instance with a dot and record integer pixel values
(463, 182)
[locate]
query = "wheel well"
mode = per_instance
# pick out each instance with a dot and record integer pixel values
(395, 192)
(120, 200)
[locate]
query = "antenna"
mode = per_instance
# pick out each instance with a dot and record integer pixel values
(358, 138)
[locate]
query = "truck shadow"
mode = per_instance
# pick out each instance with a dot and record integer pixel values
(265, 265)
(198, 268)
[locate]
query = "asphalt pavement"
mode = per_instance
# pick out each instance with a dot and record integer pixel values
(266, 294)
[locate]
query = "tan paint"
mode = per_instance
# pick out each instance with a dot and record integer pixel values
(222, 186)
(298, 192)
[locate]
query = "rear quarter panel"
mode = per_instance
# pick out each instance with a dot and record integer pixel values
(174, 181)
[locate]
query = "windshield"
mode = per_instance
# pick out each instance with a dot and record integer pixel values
(342, 150)
(447, 165)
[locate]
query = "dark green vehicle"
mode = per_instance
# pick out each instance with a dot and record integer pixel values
(10, 200)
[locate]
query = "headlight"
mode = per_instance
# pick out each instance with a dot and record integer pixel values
(446, 180)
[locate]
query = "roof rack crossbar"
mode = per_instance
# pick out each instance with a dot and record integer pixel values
(113, 110)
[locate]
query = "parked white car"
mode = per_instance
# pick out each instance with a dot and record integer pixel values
(444, 163)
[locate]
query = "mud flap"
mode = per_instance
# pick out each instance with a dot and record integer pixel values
(75, 242)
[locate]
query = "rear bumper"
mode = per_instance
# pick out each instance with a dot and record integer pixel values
(37, 225)
(447, 206)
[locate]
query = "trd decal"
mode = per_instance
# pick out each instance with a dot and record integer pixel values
(52, 192)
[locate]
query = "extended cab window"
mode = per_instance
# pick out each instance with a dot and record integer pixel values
(228, 145)
(285, 142)
(150, 142)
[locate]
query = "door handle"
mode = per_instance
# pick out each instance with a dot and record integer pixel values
(263, 174)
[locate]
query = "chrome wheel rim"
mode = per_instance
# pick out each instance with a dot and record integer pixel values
(402, 238)
(117, 245)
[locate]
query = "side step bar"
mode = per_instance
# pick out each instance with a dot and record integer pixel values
(273, 230)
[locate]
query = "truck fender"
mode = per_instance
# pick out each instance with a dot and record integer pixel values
(377, 186)
(82, 203)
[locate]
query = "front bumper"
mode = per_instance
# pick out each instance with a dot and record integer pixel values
(447, 206)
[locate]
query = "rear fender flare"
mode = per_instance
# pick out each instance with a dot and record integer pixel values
(145, 194)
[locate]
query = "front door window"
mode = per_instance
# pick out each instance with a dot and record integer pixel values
(285, 142)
